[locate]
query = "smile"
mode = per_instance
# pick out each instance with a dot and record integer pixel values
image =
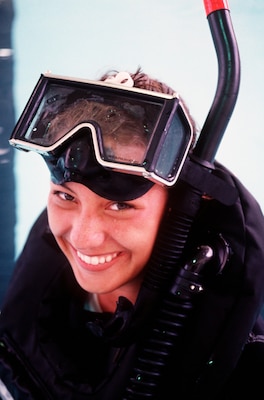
(96, 260)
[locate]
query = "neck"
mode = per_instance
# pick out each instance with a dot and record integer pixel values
(108, 301)
(130, 290)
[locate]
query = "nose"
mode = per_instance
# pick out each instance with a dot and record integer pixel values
(88, 231)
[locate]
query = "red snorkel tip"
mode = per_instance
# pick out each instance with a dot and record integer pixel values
(214, 5)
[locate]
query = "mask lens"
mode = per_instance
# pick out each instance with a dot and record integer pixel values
(123, 126)
(132, 131)
(172, 148)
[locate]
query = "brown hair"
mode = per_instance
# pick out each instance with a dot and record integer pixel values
(118, 126)
(144, 81)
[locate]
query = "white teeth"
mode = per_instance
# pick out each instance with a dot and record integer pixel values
(95, 260)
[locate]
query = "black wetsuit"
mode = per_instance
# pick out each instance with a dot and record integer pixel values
(51, 347)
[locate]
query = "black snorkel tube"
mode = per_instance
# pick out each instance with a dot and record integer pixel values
(228, 79)
(175, 300)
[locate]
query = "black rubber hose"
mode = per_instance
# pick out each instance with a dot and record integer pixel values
(156, 351)
(167, 252)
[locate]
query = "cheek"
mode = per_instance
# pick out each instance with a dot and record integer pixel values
(142, 239)
(58, 221)
(149, 227)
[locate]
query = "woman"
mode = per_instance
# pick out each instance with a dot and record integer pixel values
(104, 303)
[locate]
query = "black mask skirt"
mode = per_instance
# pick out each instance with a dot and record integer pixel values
(77, 163)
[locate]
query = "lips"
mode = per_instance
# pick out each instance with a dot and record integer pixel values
(96, 260)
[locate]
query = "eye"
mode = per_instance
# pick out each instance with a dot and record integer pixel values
(120, 206)
(63, 195)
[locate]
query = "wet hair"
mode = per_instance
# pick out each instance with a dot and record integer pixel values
(131, 128)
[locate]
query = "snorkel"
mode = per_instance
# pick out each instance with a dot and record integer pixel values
(228, 80)
(196, 182)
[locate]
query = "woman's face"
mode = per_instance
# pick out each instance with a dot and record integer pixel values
(106, 242)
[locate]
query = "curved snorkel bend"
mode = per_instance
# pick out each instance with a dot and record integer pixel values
(219, 20)
(196, 180)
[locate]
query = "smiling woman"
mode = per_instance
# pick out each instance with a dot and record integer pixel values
(106, 257)
(117, 281)
(143, 275)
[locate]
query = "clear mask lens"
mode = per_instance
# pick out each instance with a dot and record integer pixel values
(132, 131)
